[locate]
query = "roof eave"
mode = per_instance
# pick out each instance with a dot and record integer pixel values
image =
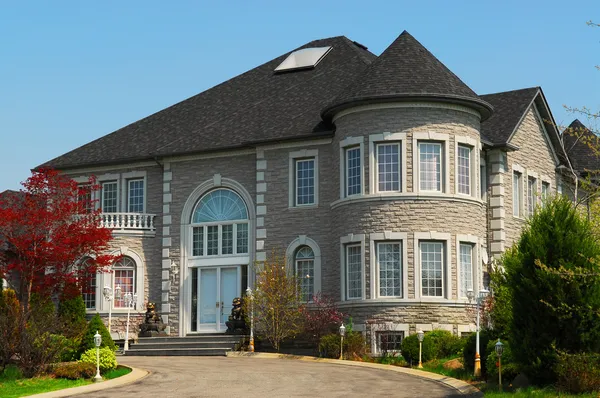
(485, 109)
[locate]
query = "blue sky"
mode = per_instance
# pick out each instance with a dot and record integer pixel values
(73, 71)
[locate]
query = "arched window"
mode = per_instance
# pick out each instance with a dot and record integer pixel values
(124, 276)
(305, 270)
(220, 224)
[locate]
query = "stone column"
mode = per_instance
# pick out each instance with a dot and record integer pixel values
(165, 307)
(497, 232)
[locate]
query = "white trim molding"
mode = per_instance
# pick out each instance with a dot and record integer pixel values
(475, 262)
(386, 327)
(386, 138)
(304, 154)
(387, 237)
(396, 105)
(345, 241)
(345, 144)
(300, 241)
(445, 238)
(474, 163)
(444, 139)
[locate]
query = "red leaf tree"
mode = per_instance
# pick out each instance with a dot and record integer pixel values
(46, 229)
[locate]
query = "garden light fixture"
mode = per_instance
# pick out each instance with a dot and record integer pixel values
(499, 350)
(420, 336)
(97, 342)
(342, 334)
(251, 298)
(129, 299)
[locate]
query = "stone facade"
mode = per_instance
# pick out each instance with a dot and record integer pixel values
(264, 178)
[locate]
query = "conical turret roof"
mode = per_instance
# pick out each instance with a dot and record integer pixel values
(407, 71)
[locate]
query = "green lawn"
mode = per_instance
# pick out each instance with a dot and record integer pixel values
(36, 385)
(533, 392)
(12, 384)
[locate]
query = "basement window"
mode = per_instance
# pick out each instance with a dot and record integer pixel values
(307, 58)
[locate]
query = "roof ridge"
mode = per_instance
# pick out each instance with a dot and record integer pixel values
(512, 91)
(359, 51)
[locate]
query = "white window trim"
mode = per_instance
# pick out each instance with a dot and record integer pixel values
(101, 193)
(386, 327)
(473, 166)
(219, 226)
(432, 137)
(106, 279)
(125, 177)
(476, 262)
(345, 241)
(446, 270)
(483, 178)
(536, 190)
(388, 237)
(345, 144)
(386, 138)
(303, 154)
(521, 170)
(545, 180)
(300, 241)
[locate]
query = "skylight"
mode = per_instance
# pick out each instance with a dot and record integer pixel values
(303, 59)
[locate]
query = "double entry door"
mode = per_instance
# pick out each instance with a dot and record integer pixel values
(216, 289)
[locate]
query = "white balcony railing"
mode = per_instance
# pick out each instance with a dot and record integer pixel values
(128, 221)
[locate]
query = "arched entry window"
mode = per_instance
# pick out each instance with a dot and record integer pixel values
(124, 276)
(220, 225)
(305, 270)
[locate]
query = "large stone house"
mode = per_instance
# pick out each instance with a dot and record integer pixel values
(385, 181)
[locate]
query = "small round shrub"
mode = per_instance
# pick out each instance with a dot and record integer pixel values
(410, 349)
(354, 345)
(445, 344)
(108, 358)
(87, 341)
(329, 346)
(509, 367)
(72, 316)
(578, 373)
(75, 370)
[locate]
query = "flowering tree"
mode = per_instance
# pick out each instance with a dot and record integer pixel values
(276, 301)
(321, 317)
(45, 230)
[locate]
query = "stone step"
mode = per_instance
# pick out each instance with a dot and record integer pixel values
(183, 344)
(191, 339)
(179, 352)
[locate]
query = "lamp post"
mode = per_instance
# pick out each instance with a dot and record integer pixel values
(420, 336)
(129, 300)
(109, 296)
(97, 342)
(342, 333)
(478, 301)
(499, 349)
(251, 343)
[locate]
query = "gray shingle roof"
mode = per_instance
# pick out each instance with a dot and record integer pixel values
(509, 108)
(256, 106)
(581, 144)
(407, 71)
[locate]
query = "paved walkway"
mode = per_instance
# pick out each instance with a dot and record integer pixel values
(252, 377)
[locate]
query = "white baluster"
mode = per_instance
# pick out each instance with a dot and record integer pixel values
(151, 222)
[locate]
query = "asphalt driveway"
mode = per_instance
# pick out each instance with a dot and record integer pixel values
(252, 377)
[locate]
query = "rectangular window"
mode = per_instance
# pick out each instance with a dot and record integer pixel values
(212, 235)
(545, 190)
(227, 239)
(135, 197)
(389, 341)
(305, 182)
(388, 167)
(89, 291)
(517, 193)
(353, 174)
(464, 169)
(84, 198)
(430, 166)
(432, 269)
(531, 195)
(109, 197)
(242, 238)
(198, 241)
(466, 268)
(353, 272)
(389, 263)
(126, 280)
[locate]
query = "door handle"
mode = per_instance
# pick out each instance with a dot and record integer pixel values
(217, 304)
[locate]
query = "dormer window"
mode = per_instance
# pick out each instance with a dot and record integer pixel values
(307, 58)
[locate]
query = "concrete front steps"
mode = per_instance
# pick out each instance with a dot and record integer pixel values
(214, 344)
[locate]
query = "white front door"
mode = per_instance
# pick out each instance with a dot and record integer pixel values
(217, 287)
